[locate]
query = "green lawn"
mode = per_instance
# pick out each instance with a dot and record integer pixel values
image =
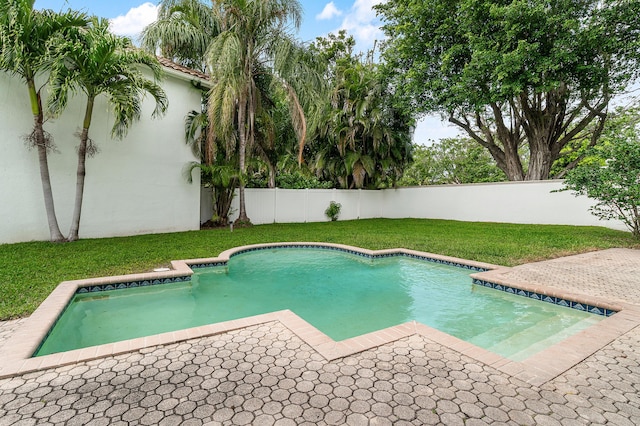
(30, 271)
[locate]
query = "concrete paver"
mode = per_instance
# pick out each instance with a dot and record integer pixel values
(266, 375)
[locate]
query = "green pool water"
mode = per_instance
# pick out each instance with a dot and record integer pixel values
(342, 294)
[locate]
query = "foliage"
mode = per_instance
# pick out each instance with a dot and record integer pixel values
(333, 211)
(25, 40)
(218, 170)
(451, 161)
(223, 179)
(97, 62)
(611, 174)
(363, 139)
(275, 150)
(514, 72)
(30, 271)
(296, 179)
(183, 32)
(253, 51)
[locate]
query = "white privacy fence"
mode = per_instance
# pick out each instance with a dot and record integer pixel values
(509, 202)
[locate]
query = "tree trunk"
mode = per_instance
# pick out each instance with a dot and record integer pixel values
(81, 172)
(540, 162)
(505, 150)
(512, 164)
(272, 175)
(42, 146)
(242, 128)
(222, 197)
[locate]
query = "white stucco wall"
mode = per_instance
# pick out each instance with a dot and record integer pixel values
(509, 202)
(133, 186)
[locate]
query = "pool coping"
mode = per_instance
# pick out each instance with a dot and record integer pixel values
(15, 355)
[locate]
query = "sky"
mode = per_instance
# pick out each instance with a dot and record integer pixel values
(320, 18)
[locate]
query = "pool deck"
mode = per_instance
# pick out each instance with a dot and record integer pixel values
(272, 371)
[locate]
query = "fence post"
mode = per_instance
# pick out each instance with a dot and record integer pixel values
(275, 204)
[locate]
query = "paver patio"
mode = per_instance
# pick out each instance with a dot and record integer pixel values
(265, 374)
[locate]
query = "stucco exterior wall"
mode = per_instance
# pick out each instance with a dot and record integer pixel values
(133, 186)
(509, 202)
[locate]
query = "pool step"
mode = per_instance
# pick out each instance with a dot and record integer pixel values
(555, 338)
(519, 346)
(492, 338)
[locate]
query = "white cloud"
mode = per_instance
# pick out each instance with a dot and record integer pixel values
(363, 24)
(135, 20)
(330, 11)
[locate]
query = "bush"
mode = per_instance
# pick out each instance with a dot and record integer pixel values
(611, 174)
(333, 211)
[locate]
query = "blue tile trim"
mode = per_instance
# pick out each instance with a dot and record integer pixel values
(354, 252)
(207, 265)
(131, 284)
(549, 299)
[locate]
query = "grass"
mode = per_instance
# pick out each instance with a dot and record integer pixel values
(30, 271)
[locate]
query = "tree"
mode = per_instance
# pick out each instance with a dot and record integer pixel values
(25, 38)
(252, 43)
(363, 139)
(218, 170)
(451, 161)
(535, 72)
(96, 63)
(611, 173)
(183, 32)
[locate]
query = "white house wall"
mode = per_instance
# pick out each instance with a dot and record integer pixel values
(133, 186)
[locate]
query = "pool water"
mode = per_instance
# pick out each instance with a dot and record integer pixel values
(342, 294)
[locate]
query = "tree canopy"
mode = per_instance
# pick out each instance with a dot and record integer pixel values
(514, 72)
(183, 32)
(451, 161)
(363, 138)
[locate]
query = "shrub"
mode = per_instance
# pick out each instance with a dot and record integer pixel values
(333, 211)
(611, 175)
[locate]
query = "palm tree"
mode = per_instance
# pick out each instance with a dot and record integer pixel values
(364, 140)
(99, 62)
(252, 42)
(218, 170)
(183, 32)
(25, 35)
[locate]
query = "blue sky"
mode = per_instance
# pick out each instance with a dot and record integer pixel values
(321, 17)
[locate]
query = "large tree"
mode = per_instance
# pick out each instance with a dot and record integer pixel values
(25, 40)
(514, 72)
(252, 43)
(97, 62)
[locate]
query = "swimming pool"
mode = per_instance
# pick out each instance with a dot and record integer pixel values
(343, 293)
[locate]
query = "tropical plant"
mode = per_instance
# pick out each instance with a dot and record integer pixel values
(518, 72)
(183, 32)
(222, 180)
(218, 171)
(364, 140)
(611, 172)
(253, 43)
(333, 211)
(96, 63)
(25, 39)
